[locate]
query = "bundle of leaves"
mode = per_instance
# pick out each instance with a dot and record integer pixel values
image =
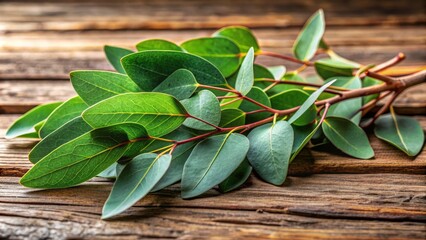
(203, 113)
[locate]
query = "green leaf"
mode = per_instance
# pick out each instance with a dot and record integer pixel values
(67, 132)
(347, 108)
(402, 132)
(259, 72)
(181, 84)
(242, 36)
(237, 178)
(110, 172)
(290, 76)
(68, 110)
(232, 118)
(211, 162)
(95, 86)
(159, 113)
(278, 71)
(293, 98)
(135, 181)
(24, 125)
(114, 55)
(222, 52)
(348, 137)
(83, 157)
(307, 41)
(245, 76)
(157, 44)
(368, 82)
(309, 102)
(270, 151)
(38, 126)
(302, 135)
(174, 173)
(260, 96)
(328, 68)
(149, 68)
(203, 105)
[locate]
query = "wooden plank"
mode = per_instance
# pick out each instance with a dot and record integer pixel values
(112, 15)
(14, 161)
(272, 38)
(21, 96)
(391, 206)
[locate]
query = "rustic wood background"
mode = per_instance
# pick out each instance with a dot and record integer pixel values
(328, 196)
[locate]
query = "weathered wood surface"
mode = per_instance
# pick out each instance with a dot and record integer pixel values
(328, 196)
(324, 206)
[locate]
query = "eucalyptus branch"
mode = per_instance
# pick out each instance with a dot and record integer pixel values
(284, 57)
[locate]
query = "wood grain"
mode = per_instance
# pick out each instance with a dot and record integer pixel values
(113, 15)
(391, 206)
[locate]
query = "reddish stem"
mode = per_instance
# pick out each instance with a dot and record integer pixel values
(285, 57)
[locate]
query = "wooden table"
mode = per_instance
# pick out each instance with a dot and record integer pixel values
(328, 196)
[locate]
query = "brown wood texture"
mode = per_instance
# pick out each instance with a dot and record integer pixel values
(327, 196)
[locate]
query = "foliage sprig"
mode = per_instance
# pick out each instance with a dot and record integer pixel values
(204, 113)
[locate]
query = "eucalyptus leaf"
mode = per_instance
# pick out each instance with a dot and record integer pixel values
(148, 109)
(232, 118)
(95, 86)
(278, 71)
(157, 44)
(211, 162)
(293, 98)
(348, 137)
(83, 157)
(174, 173)
(149, 68)
(245, 76)
(348, 108)
(181, 84)
(222, 52)
(24, 125)
(110, 172)
(114, 55)
(237, 178)
(67, 132)
(329, 68)
(260, 96)
(270, 151)
(307, 41)
(308, 103)
(68, 110)
(205, 106)
(302, 136)
(402, 132)
(242, 36)
(135, 181)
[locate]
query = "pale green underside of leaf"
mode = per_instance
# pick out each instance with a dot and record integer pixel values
(237, 178)
(205, 106)
(245, 76)
(309, 102)
(402, 132)
(211, 162)
(135, 181)
(159, 113)
(68, 110)
(309, 38)
(114, 55)
(328, 68)
(24, 125)
(83, 157)
(270, 151)
(95, 86)
(348, 137)
(149, 68)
